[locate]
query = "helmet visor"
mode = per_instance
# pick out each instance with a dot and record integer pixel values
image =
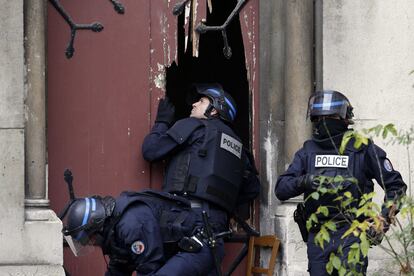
(78, 249)
(324, 104)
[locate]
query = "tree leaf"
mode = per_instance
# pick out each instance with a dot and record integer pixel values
(391, 128)
(348, 194)
(336, 262)
(329, 268)
(345, 139)
(315, 195)
(330, 225)
(324, 210)
(364, 244)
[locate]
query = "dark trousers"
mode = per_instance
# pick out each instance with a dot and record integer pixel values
(318, 257)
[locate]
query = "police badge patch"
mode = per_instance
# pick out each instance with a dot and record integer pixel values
(138, 247)
(388, 166)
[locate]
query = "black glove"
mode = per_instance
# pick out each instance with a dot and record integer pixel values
(166, 112)
(374, 237)
(307, 182)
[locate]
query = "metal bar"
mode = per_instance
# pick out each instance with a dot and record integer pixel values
(203, 28)
(95, 26)
(179, 7)
(119, 8)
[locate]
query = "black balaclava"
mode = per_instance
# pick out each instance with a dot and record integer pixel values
(329, 127)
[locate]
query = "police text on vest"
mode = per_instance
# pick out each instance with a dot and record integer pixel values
(230, 144)
(332, 161)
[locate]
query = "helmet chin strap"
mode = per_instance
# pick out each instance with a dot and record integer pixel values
(208, 111)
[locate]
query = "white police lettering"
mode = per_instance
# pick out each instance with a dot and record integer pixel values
(332, 161)
(230, 144)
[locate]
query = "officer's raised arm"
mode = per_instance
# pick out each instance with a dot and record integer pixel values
(151, 149)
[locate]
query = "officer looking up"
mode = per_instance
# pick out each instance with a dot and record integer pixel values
(207, 164)
(173, 232)
(331, 114)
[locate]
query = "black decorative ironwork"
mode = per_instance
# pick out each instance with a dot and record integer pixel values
(179, 7)
(119, 8)
(95, 26)
(203, 28)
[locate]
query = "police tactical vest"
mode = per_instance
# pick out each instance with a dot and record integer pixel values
(161, 204)
(328, 162)
(210, 169)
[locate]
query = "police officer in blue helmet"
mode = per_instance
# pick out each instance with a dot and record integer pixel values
(126, 228)
(331, 113)
(208, 165)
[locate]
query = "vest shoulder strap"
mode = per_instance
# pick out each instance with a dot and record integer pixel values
(182, 129)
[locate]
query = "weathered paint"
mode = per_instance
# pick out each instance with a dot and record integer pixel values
(249, 19)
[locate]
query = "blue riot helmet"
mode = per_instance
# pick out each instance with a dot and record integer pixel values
(329, 102)
(85, 218)
(220, 100)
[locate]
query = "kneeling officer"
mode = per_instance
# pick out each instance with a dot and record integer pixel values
(126, 228)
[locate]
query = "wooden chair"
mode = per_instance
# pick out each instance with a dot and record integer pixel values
(270, 241)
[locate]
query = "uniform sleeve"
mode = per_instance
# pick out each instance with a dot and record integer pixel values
(380, 168)
(287, 185)
(250, 187)
(158, 144)
(138, 233)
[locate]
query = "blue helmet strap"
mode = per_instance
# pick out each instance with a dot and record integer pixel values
(209, 108)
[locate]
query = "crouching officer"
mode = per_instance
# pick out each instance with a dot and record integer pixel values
(207, 165)
(331, 114)
(126, 228)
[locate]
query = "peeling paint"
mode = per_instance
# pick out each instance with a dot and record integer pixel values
(159, 81)
(165, 45)
(195, 35)
(160, 77)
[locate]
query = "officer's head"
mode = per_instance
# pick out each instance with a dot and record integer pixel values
(212, 101)
(330, 104)
(84, 220)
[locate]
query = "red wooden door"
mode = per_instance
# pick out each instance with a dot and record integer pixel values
(102, 101)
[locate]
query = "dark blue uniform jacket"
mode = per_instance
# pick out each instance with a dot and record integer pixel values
(159, 145)
(366, 163)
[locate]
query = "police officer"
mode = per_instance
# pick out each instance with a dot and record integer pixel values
(208, 165)
(331, 114)
(126, 228)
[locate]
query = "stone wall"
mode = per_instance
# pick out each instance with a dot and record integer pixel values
(364, 49)
(30, 239)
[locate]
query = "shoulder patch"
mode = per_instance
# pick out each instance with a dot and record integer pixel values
(388, 166)
(138, 247)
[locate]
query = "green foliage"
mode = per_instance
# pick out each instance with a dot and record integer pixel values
(359, 140)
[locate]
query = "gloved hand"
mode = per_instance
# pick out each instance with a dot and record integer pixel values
(376, 231)
(307, 182)
(166, 111)
(375, 236)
